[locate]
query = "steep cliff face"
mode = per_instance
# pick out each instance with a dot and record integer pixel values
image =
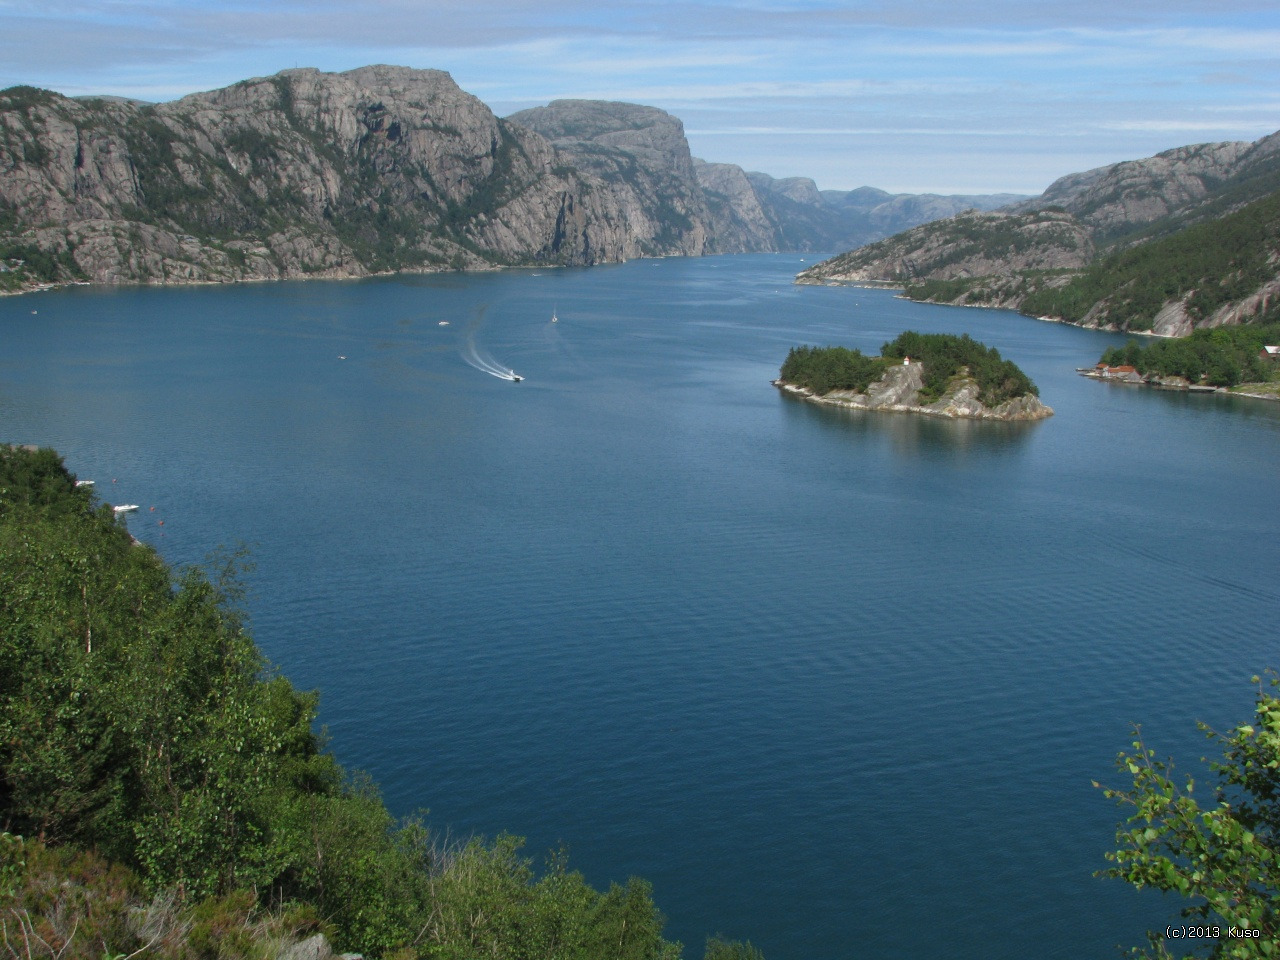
(753, 211)
(383, 168)
(679, 204)
(638, 157)
(739, 220)
(299, 174)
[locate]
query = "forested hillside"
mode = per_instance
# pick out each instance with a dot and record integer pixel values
(1194, 275)
(1221, 357)
(173, 798)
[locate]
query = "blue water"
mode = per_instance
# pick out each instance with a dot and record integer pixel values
(834, 682)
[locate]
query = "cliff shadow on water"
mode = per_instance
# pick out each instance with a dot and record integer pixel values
(911, 436)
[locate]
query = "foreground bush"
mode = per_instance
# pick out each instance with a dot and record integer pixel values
(139, 720)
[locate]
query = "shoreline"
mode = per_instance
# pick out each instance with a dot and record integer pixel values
(902, 295)
(945, 408)
(1185, 387)
(178, 282)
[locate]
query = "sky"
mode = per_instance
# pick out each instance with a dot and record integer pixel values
(911, 96)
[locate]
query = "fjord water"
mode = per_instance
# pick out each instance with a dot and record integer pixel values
(835, 683)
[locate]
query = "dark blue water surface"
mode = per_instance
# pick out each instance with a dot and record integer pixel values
(835, 683)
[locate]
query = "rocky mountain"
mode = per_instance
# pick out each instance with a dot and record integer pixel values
(380, 169)
(641, 157)
(966, 248)
(807, 219)
(1119, 200)
(1133, 245)
(739, 219)
(299, 174)
(641, 152)
(882, 214)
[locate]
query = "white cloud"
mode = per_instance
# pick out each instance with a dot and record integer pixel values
(1247, 127)
(866, 90)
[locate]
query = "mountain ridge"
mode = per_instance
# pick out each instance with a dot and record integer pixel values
(373, 170)
(1071, 254)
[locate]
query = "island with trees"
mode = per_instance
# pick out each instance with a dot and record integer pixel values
(935, 374)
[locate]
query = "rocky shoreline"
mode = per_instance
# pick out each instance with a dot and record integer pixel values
(898, 391)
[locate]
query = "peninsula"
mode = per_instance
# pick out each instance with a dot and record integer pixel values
(933, 374)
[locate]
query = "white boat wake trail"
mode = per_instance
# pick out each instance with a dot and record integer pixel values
(480, 358)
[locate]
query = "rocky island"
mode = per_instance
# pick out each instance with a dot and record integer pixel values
(933, 374)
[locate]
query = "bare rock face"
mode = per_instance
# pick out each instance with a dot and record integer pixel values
(315, 947)
(637, 157)
(1176, 320)
(739, 220)
(898, 390)
(1124, 195)
(969, 245)
(300, 174)
(383, 168)
(1032, 254)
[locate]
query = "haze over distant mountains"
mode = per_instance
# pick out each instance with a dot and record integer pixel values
(380, 169)
(1188, 238)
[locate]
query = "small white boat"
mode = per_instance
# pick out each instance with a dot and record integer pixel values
(84, 483)
(125, 508)
(515, 377)
(443, 323)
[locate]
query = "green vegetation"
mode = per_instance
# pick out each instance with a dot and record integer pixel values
(945, 358)
(177, 801)
(1223, 856)
(1207, 265)
(957, 290)
(967, 236)
(986, 290)
(1221, 357)
(823, 369)
(23, 97)
(22, 264)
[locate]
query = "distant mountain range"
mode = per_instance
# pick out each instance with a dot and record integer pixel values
(381, 169)
(1188, 238)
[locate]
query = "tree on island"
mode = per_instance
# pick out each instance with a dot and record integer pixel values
(944, 357)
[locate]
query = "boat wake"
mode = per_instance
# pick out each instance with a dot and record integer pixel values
(480, 358)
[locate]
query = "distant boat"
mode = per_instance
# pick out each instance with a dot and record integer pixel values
(125, 508)
(443, 323)
(515, 377)
(84, 483)
(554, 318)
